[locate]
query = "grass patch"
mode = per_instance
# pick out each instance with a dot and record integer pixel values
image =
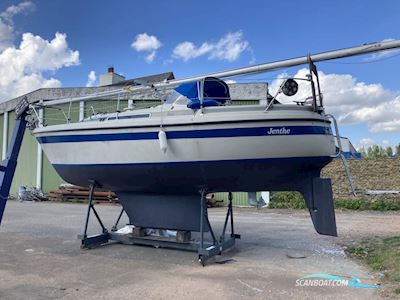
(295, 200)
(286, 200)
(366, 204)
(381, 255)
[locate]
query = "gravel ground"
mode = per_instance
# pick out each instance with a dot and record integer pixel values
(40, 257)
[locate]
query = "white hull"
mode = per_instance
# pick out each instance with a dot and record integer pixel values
(221, 141)
(186, 150)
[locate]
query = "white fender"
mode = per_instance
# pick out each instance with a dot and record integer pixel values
(162, 137)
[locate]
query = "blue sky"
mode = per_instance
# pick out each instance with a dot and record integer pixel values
(103, 32)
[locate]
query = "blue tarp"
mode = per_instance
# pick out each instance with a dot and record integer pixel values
(189, 90)
(215, 92)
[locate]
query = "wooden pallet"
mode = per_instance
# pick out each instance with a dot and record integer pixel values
(73, 193)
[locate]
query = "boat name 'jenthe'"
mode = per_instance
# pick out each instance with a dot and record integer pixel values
(282, 130)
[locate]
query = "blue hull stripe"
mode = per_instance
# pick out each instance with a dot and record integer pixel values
(189, 134)
(186, 163)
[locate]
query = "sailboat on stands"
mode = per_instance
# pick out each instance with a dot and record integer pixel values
(161, 160)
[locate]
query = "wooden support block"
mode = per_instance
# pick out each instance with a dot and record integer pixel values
(183, 236)
(139, 231)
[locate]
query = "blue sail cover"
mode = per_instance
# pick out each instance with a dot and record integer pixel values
(215, 92)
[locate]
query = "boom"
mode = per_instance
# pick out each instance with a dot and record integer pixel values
(261, 68)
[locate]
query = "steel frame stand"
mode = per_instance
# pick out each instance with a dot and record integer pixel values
(94, 240)
(205, 249)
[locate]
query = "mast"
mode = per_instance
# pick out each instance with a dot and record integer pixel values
(346, 52)
(261, 68)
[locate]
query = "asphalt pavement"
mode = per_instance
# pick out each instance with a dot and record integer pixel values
(40, 258)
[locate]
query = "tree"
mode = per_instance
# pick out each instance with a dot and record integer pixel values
(363, 152)
(389, 151)
(370, 151)
(376, 152)
(382, 152)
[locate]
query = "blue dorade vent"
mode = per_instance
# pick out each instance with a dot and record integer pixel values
(209, 91)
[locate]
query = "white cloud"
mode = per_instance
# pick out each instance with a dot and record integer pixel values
(92, 79)
(365, 143)
(146, 43)
(11, 11)
(7, 24)
(22, 67)
(28, 83)
(6, 35)
(229, 48)
(150, 57)
(352, 101)
(187, 50)
(386, 126)
(252, 60)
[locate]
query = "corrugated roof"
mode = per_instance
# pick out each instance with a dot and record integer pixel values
(56, 93)
(147, 79)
